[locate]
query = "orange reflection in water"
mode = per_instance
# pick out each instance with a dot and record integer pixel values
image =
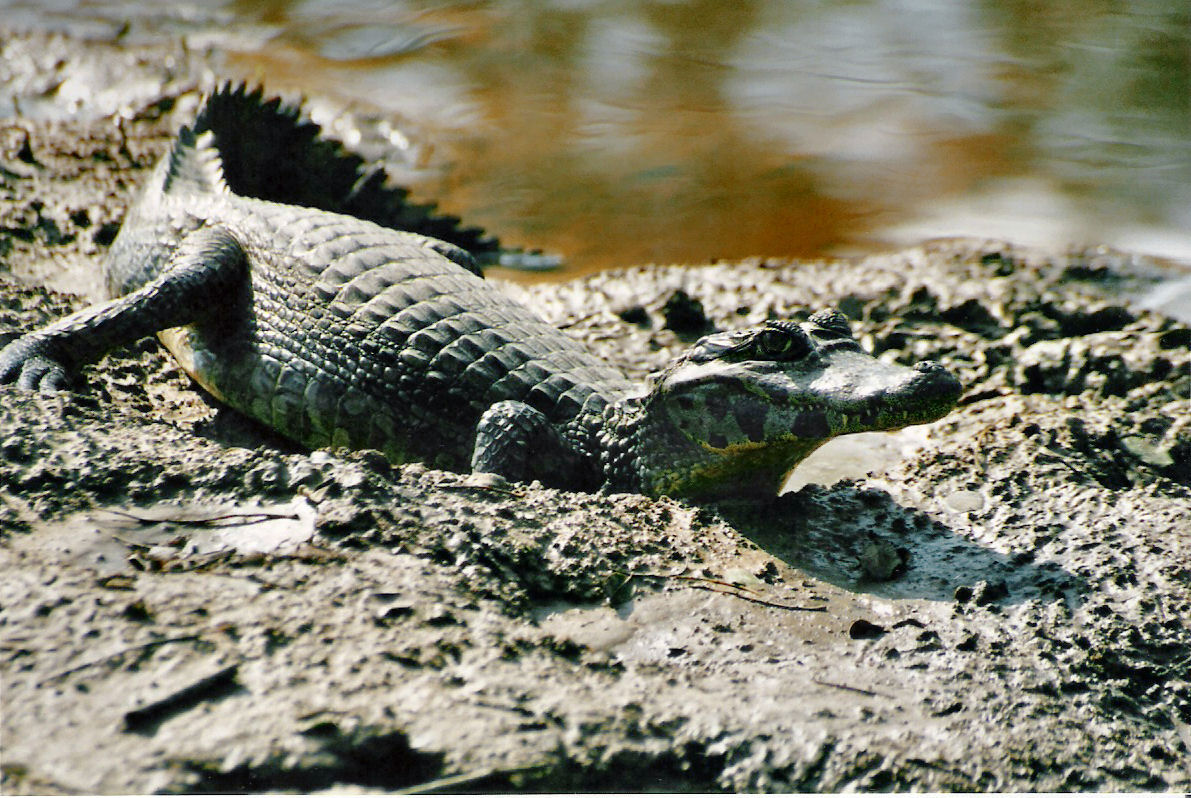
(617, 133)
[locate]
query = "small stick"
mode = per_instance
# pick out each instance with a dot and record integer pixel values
(489, 488)
(762, 602)
(1061, 459)
(682, 578)
(730, 592)
(448, 782)
(849, 687)
(259, 518)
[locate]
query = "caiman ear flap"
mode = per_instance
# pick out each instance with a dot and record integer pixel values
(194, 164)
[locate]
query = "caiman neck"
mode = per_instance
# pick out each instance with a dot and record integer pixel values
(641, 452)
(613, 436)
(660, 458)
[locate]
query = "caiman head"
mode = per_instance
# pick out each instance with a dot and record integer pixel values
(737, 412)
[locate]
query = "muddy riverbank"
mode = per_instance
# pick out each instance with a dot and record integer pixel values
(188, 603)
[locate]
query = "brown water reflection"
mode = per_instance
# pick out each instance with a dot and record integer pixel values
(620, 132)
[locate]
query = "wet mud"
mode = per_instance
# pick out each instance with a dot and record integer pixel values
(189, 603)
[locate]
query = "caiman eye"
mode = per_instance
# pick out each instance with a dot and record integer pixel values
(782, 342)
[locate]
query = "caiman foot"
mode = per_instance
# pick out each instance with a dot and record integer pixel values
(29, 362)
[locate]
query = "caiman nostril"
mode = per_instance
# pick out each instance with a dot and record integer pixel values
(937, 380)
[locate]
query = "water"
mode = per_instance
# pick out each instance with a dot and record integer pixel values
(616, 133)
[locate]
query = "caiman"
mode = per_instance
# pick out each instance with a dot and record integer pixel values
(337, 331)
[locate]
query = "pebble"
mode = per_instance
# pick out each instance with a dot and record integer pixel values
(1147, 452)
(964, 501)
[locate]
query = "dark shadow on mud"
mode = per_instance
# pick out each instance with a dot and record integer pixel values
(363, 755)
(146, 719)
(836, 533)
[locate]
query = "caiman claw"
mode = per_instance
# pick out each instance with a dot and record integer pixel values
(28, 362)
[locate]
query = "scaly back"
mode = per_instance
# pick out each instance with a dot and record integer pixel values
(346, 332)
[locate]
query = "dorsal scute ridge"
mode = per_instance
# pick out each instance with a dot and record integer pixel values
(194, 164)
(269, 148)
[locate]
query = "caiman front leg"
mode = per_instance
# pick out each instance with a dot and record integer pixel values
(520, 444)
(199, 276)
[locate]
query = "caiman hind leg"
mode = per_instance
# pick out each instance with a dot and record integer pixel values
(204, 269)
(520, 444)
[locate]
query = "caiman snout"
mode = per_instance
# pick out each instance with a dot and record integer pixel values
(934, 375)
(895, 396)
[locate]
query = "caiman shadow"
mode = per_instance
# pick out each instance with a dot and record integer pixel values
(829, 532)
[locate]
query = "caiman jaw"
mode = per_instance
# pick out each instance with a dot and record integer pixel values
(737, 413)
(858, 393)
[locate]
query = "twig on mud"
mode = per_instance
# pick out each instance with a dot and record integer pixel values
(711, 586)
(100, 660)
(565, 325)
(257, 518)
(761, 601)
(446, 783)
(850, 688)
(684, 578)
(127, 153)
(486, 488)
(1061, 459)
